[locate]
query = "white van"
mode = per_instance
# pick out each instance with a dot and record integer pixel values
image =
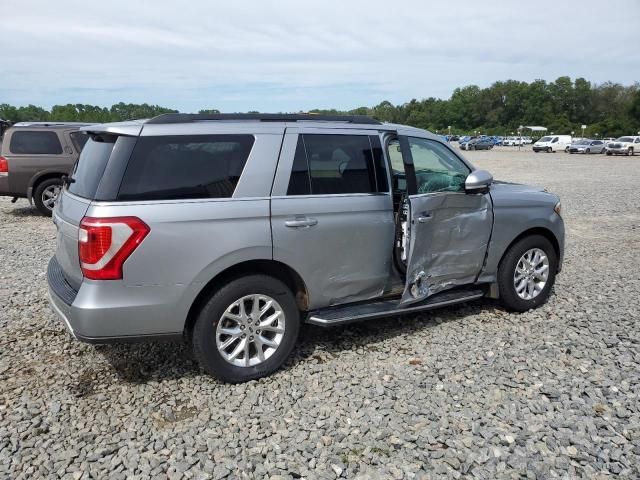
(552, 143)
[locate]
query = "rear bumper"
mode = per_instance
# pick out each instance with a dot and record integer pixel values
(95, 315)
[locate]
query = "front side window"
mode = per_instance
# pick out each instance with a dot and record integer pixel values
(337, 164)
(437, 168)
(185, 166)
(35, 143)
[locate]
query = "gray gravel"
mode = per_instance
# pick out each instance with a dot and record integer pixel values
(466, 392)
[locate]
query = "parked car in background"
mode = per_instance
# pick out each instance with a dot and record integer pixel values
(527, 140)
(624, 146)
(512, 141)
(4, 125)
(34, 157)
(586, 146)
(485, 143)
(232, 230)
(552, 143)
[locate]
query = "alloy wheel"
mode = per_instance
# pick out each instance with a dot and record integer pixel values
(49, 196)
(531, 274)
(250, 330)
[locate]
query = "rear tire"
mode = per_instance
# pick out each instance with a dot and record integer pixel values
(45, 194)
(508, 284)
(209, 339)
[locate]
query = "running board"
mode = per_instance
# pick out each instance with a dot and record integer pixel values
(340, 315)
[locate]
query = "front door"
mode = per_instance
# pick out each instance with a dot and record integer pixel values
(332, 214)
(449, 229)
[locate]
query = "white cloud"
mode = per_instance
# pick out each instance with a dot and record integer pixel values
(290, 55)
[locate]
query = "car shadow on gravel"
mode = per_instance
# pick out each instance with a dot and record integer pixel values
(140, 363)
(367, 335)
(26, 211)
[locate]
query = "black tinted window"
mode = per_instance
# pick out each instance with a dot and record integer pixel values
(35, 143)
(336, 164)
(299, 182)
(185, 166)
(88, 170)
(79, 140)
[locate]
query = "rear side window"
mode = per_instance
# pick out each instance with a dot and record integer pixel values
(337, 164)
(185, 166)
(88, 170)
(35, 143)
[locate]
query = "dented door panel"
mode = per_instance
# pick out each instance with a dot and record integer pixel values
(449, 236)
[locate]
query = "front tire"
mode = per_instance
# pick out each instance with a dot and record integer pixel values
(527, 273)
(630, 151)
(246, 329)
(45, 195)
(549, 150)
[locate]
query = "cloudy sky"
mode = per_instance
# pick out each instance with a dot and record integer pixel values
(296, 55)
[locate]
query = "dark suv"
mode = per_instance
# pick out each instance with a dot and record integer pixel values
(34, 157)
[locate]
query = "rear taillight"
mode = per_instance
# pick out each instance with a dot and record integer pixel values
(4, 167)
(105, 243)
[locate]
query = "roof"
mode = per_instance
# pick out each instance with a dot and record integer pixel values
(260, 117)
(182, 123)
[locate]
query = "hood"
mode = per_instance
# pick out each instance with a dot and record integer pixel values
(508, 194)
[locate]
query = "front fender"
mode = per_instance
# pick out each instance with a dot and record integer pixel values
(512, 222)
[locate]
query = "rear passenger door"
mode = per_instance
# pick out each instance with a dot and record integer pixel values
(332, 213)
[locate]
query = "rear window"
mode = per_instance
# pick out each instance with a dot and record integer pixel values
(88, 170)
(35, 143)
(185, 166)
(79, 140)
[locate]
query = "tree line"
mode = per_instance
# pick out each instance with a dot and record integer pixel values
(563, 106)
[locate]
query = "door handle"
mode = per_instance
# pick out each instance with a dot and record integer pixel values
(301, 222)
(424, 217)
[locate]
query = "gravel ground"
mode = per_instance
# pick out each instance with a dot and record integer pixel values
(470, 391)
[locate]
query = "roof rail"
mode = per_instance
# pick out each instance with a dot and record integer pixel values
(260, 117)
(49, 124)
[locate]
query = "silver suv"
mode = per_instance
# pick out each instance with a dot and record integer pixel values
(231, 230)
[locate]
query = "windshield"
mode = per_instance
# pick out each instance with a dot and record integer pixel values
(545, 139)
(625, 139)
(583, 142)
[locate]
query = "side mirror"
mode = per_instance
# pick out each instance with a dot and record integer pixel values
(478, 181)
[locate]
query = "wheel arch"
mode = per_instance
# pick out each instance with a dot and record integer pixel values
(272, 268)
(536, 230)
(542, 231)
(41, 177)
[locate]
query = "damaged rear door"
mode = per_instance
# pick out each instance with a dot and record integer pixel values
(449, 228)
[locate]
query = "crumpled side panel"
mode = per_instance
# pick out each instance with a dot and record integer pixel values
(449, 248)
